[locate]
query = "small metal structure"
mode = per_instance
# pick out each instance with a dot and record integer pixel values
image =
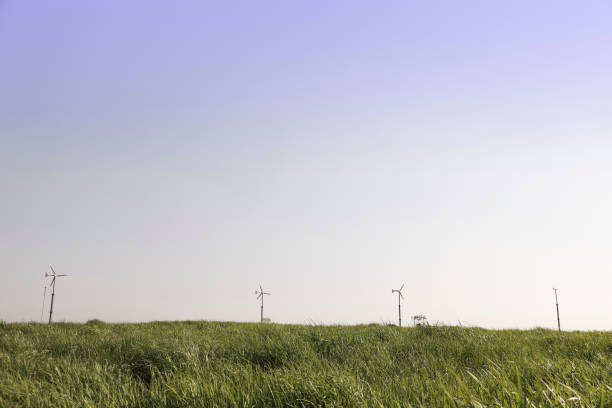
(42, 311)
(420, 320)
(260, 294)
(557, 304)
(399, 302)
(52, 284)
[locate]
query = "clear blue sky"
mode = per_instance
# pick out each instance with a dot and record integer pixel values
(172, 155)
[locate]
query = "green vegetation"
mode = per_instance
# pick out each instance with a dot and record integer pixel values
(209, 364)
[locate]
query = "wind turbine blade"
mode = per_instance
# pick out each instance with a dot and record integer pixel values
(260, 295)
(260, 288)
(400, 289)
(62, 275)
(53, 270)
(402, 296)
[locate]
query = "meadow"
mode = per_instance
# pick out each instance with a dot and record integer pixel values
(217, 364)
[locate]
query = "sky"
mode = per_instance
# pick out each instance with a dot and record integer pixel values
(171, 156)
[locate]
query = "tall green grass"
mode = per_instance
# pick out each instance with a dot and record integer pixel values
(214, 364)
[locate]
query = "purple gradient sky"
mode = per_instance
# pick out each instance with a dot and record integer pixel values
(173, 155)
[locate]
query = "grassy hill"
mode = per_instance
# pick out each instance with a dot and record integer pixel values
(210, 364)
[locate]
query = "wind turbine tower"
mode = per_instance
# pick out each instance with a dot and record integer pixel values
(54, 276)
(260, 294)
(399, 303)
(557, 304)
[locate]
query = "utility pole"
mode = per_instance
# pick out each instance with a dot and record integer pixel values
(557, 304)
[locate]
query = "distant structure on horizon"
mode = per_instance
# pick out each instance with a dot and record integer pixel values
(418, 320)
(260, 294)
(557, 304)
(421, 320)
(55, 276)
(399, 302)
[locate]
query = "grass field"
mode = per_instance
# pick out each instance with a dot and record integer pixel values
(210, 364)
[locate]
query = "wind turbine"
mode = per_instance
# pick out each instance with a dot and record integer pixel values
(557, 304)
(55, 276)
(260, 294)
(399, 302)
